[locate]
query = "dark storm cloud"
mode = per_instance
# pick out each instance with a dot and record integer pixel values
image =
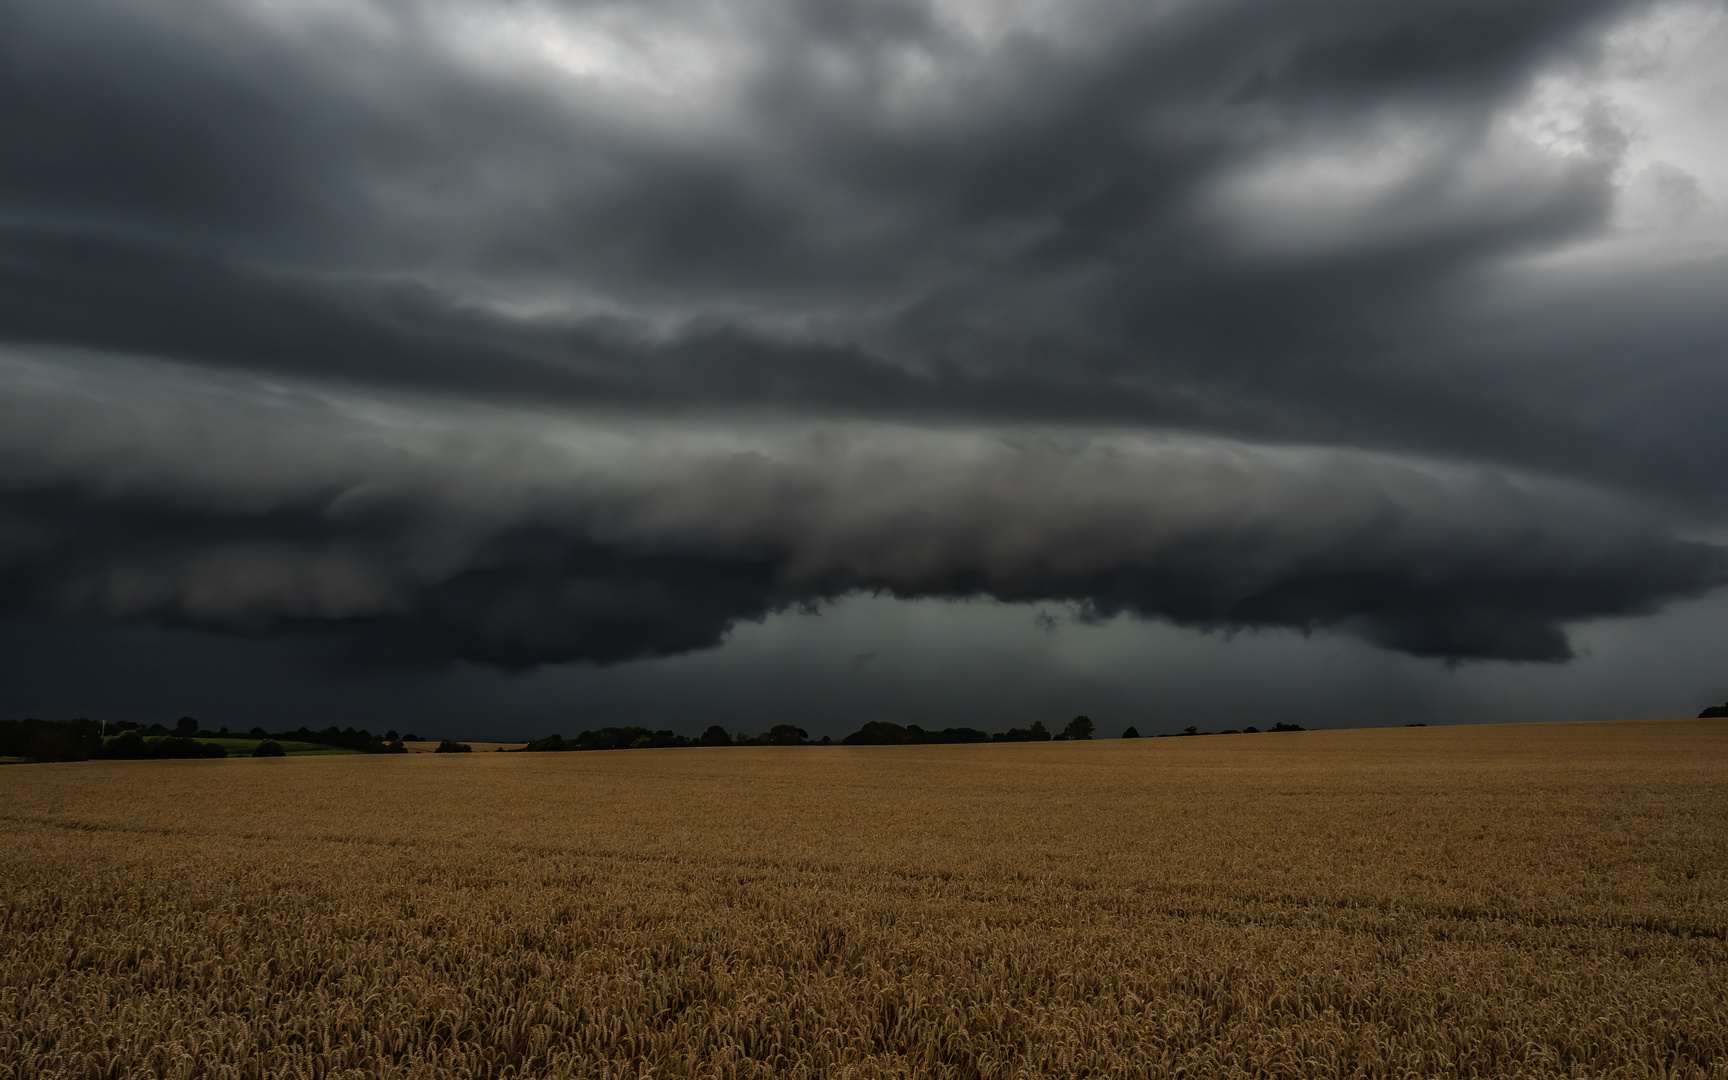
(1062, 281)
(524, 538)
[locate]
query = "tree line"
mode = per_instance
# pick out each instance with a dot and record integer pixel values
(874, 733)
(83, 739)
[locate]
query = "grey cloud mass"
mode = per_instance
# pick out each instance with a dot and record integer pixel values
(530, 333)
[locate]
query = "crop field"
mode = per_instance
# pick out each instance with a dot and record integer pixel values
(1531, 900)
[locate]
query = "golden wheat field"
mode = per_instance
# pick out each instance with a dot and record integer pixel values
(1532, 900)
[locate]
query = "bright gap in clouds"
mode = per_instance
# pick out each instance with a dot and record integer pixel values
(1659, 87)
(1646, 103)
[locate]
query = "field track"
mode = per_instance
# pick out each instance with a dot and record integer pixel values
(1530, 900)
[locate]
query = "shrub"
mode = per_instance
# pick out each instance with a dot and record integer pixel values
(268, 748)
(451, 746)
(1281, 726)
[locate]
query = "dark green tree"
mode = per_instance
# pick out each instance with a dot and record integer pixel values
(1078, 729)
(787, 735)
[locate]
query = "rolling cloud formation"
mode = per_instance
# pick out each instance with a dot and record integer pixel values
(542, 332)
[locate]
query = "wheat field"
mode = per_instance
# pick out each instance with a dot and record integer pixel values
(1530, 900)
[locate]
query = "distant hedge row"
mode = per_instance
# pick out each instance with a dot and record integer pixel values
(82, 740)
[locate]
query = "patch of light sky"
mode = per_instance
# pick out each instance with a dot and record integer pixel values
(991, 665)
(1649, 102)
(1662, 80)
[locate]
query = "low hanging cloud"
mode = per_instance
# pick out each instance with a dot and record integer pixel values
(439, 533)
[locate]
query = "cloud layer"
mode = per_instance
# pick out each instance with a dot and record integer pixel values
(543, 332)
(520, 537)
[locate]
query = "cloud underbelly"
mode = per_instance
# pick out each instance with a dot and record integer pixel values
(518, 538)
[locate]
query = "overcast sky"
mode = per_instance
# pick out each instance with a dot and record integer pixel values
(494, 368)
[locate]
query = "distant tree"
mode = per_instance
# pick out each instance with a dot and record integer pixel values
(1131, 733)
(127, 746)
(257, 733)
(547, 743)
(1415, 725)
(1036, 733)
(186, 727)
(451, 746)
(1250, 730)
(411, 737)
(1190, 730)
(826, 741)
(1078, 729)
(878, 733)
(174, 747)
(715, 736)
(1714, 712)
(787, 735)
(1281, 726)
(391, 736)
(269, 748)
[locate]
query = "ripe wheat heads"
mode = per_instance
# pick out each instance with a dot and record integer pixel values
(1518, 901)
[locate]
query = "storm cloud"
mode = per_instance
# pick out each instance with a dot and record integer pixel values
(542, 332)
